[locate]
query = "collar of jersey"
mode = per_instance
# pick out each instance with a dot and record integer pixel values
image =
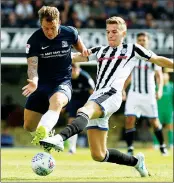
(119, 46)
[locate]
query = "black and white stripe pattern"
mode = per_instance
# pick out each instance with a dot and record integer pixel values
(105, 68)
(115, 64)
(143, 77)
(139, 76)
(106, 95)
(103, 53)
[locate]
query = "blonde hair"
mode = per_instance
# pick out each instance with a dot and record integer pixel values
(48, 12)
(117, 20)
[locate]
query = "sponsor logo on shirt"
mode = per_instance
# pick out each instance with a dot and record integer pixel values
(111, 58)
(44, 47)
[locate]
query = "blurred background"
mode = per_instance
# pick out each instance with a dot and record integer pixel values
(19, 20)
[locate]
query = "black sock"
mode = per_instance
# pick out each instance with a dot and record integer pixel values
(75, 127)
(115, 156)
(159, 135)
(129, 135)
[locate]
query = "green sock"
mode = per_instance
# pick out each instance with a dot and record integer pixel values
(170, 137)
(155, 141)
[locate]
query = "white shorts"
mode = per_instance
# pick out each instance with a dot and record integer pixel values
(141, 105)
(109, 99)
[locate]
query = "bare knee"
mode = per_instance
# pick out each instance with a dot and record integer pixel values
(58, 101)
(130, 122)
(155, 123)
(57, 105)
(83, 109)
(98, 156)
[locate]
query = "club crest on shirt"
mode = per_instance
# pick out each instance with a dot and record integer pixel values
(123, 51)
(64, 44)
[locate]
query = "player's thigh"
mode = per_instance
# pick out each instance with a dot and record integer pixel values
(59, 97)
(98, 143)
(31, 119)
(92, 109)
(57, 101)
(103, 102)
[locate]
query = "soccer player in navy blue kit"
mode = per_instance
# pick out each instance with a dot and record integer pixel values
(83, 86)
(49, 71)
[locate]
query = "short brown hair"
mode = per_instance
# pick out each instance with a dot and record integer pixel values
(143, 34)
(117, 20)
(48, 12)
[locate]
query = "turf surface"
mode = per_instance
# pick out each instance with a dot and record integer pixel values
(16, 167)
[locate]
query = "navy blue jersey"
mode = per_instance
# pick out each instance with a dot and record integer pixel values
(54, 56)
(81, 86)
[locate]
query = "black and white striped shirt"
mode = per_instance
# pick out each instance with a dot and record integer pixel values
(143, 80)
(114, 65)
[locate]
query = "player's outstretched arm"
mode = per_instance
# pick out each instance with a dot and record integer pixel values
(79, 46)
(32, 75)
(77, 57)
(162, 61)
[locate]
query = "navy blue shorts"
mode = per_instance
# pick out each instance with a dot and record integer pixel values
(38, 101)
(73, 106)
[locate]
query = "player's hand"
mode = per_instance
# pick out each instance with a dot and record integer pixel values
(86, 52)
(159, 94)
(74, 55)
(30, 88)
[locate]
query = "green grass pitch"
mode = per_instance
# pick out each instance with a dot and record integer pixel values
(16, 167)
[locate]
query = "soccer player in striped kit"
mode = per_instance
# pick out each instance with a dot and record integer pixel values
(114, 64)
(142, 97)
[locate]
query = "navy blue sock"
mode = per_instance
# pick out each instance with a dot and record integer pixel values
(130, 135)
(159, 135)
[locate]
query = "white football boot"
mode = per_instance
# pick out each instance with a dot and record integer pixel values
(55, 142)
(140, 166)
